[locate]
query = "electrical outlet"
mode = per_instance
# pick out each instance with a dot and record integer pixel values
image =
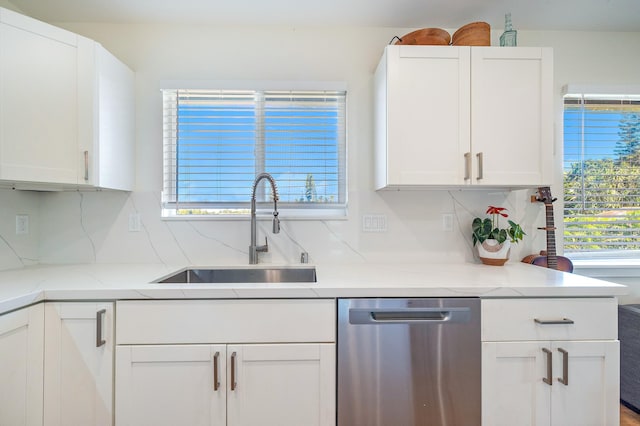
(447, 222)
(134, 222)
(374, 223)
(22, 224)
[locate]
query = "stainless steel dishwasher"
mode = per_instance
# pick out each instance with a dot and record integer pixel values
(409, 362)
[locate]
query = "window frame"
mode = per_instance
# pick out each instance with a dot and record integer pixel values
(288, 210)
(605, 258)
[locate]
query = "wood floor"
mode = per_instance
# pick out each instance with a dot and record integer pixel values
(628, 417)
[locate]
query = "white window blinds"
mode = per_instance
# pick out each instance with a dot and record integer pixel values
(217, 141)
(602, 175)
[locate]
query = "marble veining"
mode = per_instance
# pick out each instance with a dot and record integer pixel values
(84, 228)
(217, 240)
(144, 227)
(343, 241)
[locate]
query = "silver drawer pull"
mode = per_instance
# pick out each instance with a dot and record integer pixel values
(549, 379)
(467, 165)
(234, 383)
(216, 380)
(99, 318)
(565, 367)
(86, 166)
(480, 157)
(552, 322)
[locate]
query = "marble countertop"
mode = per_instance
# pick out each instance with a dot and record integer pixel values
(21, 287)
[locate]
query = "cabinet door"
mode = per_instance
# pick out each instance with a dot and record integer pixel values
(513, 392)
(281, 385)
(107, 118)
(427, 113)
(38, 101)
(21, 352)
(78, 380)
(591, 395)
(170, 385)
(512, 116)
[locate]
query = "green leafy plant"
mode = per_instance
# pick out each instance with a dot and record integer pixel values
(489, 228)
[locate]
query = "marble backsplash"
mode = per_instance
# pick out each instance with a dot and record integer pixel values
(93, 227)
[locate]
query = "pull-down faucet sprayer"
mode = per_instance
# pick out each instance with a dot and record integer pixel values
(253, 248)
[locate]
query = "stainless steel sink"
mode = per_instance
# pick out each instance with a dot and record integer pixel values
(241, 275)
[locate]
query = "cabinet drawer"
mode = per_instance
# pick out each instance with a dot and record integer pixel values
(515, 319)
(225, 321)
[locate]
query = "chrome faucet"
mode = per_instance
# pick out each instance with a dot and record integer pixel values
(253, 248)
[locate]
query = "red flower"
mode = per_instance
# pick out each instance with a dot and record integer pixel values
(497, 210)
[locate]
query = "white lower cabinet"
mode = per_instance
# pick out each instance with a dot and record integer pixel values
(21, 339)
(226, 362)
(170, 385)
(209, 385)
(547, 372)
(286, 384)
(78, 367)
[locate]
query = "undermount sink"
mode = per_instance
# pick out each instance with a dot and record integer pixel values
(241, 275)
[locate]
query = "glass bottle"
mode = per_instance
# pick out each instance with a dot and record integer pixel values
(509, 36)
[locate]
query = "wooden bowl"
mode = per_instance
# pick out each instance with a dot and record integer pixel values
(473, 34)
(426, 36)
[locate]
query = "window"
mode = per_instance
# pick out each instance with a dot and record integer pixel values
(217, 141)
(601, 175)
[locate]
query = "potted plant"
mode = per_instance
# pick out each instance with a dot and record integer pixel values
(492, 241)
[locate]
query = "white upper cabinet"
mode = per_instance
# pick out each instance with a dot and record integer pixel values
(422, 115)
(511, 116)
(66, 109)
(38, 101)
(455, 116)
(107, 119)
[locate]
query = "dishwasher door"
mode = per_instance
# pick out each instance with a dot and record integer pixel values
(409, 362)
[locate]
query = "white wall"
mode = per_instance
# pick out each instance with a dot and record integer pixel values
(223, 53)
(7, 4)
(92, 227)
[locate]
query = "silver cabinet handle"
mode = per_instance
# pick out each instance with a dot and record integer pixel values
(86, 166)
(553, 322)
(549, 379)
(467, 165)
(99, 318)
(565, 367)
(480, 166)
(233, 371)
(216, 380)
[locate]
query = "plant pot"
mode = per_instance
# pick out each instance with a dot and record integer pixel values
(493, 253)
